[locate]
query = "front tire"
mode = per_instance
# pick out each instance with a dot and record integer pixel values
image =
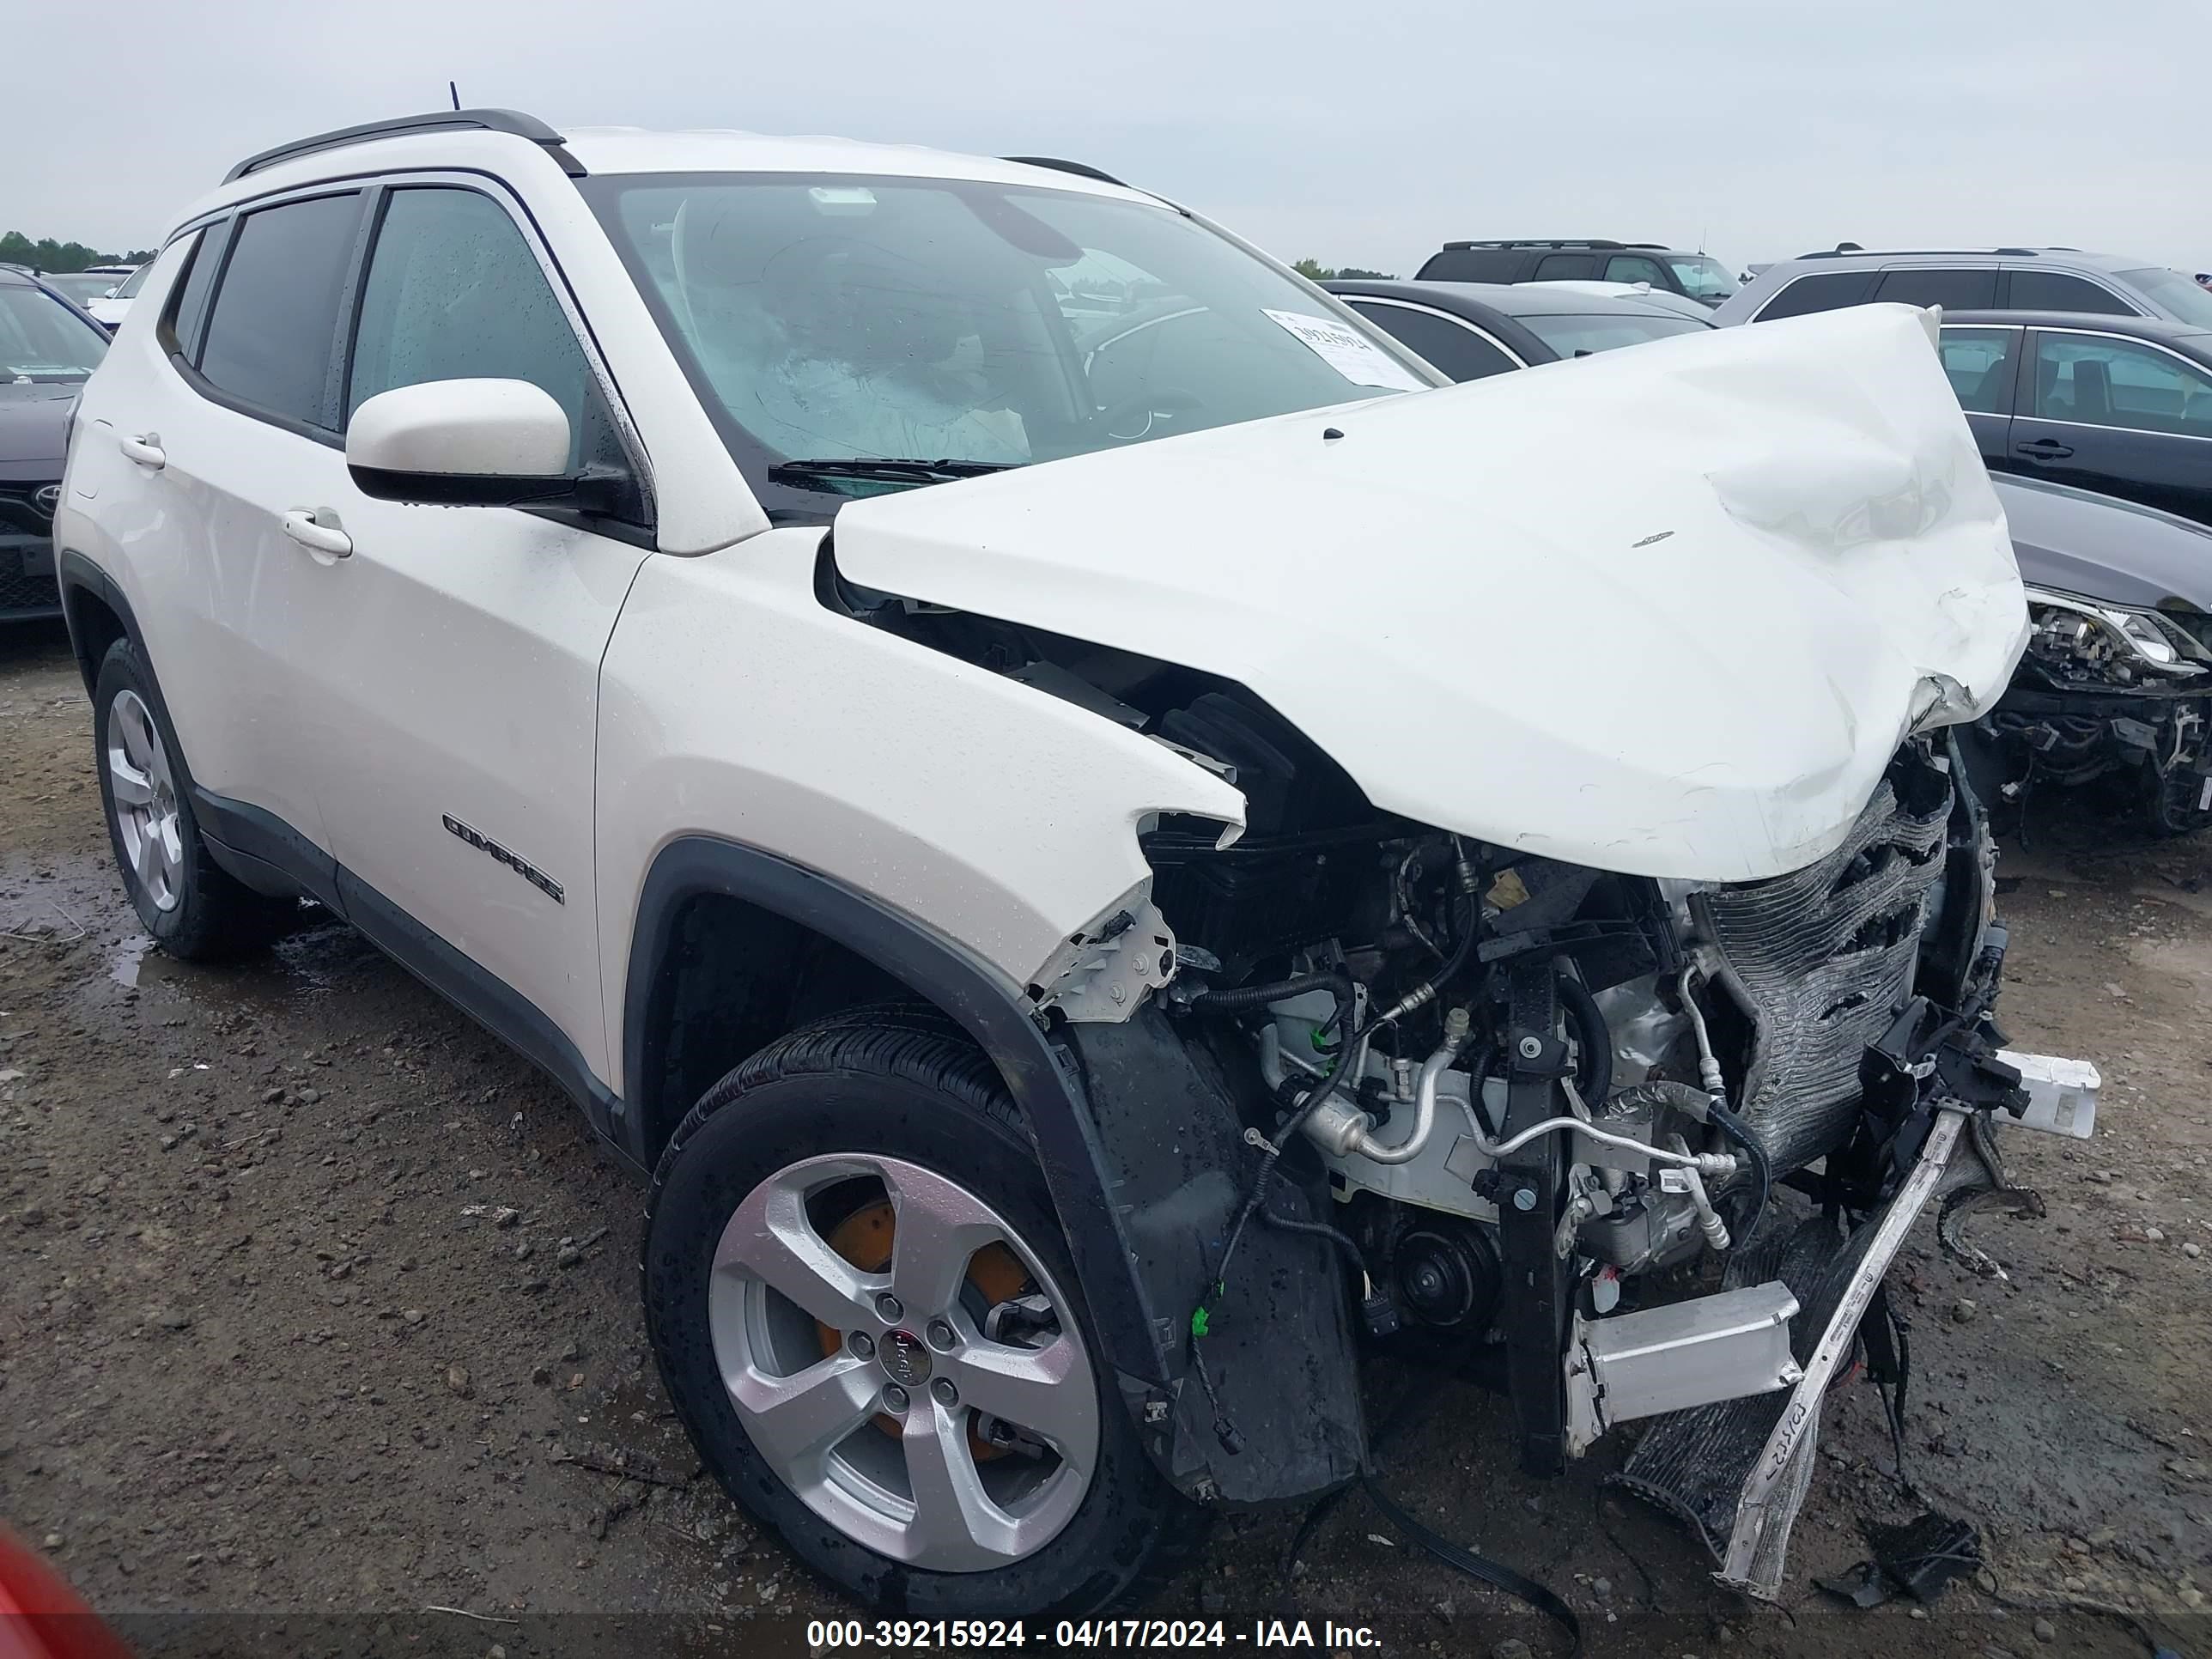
(2171, 801)
(192, 907)
(857, 1292)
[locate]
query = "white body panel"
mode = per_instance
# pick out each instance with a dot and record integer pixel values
(1666, 611)
(479, 428)
(216, 587)
(449, 669)
(733, 703)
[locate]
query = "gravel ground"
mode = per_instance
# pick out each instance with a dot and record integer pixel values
(317, 1312)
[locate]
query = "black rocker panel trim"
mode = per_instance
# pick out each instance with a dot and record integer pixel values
(268, 854)
(262, 850)
(484, 997)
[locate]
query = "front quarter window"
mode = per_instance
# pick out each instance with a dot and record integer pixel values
(847, 319)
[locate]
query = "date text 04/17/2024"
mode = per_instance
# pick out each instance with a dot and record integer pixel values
(828, 1635)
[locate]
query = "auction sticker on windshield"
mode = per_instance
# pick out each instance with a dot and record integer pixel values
(1360, 361)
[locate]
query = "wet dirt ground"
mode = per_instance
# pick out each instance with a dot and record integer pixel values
(319, 1329)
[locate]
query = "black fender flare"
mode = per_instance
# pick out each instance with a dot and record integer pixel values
(988, 1005)
(1144, 1201)
(75, 575)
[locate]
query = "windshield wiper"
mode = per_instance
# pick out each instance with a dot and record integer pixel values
(878, 467)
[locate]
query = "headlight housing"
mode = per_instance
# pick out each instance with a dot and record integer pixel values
(2090, 642)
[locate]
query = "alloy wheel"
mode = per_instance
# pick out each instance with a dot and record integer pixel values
(143, 786)
(942, 1428)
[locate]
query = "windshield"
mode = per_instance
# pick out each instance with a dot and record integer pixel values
(133, 283)
(42, 338)
(837, 318)
(81, 285)
(1702, 277)
(2177, 296)
(1578, 336)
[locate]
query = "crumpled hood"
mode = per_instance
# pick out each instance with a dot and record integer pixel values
(1667, 611)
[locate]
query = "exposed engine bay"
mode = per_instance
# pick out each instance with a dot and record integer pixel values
(1709, 1040)
(1552, 1104)
(1561, 1119)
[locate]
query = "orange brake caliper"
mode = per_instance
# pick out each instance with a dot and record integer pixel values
(865, 1239)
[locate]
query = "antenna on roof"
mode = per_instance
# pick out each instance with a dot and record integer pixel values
(453, 90)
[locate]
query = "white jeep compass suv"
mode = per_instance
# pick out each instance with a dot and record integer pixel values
(1105, 843)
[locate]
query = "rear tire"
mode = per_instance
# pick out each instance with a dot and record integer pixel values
(781, 1147)
(192, 907)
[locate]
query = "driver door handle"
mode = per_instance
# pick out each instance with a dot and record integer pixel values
(146, 450)
(2045, 449)
(299, 525)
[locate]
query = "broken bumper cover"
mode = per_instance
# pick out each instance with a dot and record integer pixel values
(1739, 1469)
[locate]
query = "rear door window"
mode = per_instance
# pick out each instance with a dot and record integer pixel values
(2095, 380)
(1825, 290)
(271, 334)
(1931, 285)
(1451, 345)
(1565, 267)
(2054, 290)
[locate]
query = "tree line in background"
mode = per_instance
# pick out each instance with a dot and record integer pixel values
(47, 254)
(1314, 271)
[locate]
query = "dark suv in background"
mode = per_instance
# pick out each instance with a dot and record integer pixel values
(1971, 279)
(1699, 276)
(48, 348)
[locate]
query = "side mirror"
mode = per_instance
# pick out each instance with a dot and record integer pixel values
(462, 443)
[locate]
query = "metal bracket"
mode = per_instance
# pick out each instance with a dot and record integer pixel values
(1682, 1354)
(1103, 977)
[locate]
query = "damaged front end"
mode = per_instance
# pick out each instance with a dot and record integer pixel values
(1643, 1149)
(1599, 1018)
(1646, 1145)
(2107, 689)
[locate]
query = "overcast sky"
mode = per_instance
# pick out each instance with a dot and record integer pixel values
(1763, 128)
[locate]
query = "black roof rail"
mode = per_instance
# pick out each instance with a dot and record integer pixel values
(444, 120)
(1551, 241)
(1933, 253)
(1080, 169)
